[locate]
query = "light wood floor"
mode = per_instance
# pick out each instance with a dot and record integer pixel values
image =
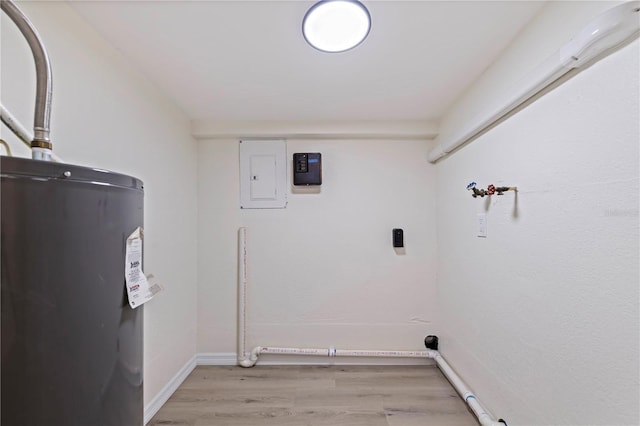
(315, 396)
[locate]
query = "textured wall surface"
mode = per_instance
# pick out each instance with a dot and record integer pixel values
(541, 317)
(323, 271)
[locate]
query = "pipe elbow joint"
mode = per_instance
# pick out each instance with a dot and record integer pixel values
(252, 360)
(246, 363)
(486, 420)
(432, 354)
(255, 353)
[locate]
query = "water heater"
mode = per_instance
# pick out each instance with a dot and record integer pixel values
(71, 344)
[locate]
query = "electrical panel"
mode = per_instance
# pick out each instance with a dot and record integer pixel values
(263, 174)
(307, 168)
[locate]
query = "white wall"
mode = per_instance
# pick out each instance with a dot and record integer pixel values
(555, 24)
(107, 115)
(323, 271)
(541, 317)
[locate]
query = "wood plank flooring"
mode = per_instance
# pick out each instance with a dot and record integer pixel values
(315, 396)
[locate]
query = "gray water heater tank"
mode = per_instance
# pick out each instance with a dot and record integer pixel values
(71, 344)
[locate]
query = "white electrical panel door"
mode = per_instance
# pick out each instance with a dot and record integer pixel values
(263, 174)
(262, 177)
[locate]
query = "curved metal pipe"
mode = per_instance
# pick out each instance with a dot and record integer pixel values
(23, 134)
(6, 147)
(42, 114)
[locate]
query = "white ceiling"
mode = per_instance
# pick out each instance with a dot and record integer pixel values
(247, 60)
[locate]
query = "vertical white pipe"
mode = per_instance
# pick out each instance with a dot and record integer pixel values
(242, 295)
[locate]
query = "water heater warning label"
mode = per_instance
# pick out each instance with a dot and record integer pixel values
(138, 288)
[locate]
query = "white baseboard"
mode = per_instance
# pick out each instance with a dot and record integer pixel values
(218, 358)
(163, 396)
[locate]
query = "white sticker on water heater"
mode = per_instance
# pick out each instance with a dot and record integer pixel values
(138, 288)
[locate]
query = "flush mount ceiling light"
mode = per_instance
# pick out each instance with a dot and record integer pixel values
(336, 25)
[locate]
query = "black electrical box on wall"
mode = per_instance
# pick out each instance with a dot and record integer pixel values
(398, 237)
(307, 168)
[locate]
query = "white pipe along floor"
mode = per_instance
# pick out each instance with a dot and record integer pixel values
(249, 360)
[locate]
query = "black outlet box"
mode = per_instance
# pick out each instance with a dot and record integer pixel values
(307, 168)
(398, 237)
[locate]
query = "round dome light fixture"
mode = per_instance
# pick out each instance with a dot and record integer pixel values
(336, 25)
